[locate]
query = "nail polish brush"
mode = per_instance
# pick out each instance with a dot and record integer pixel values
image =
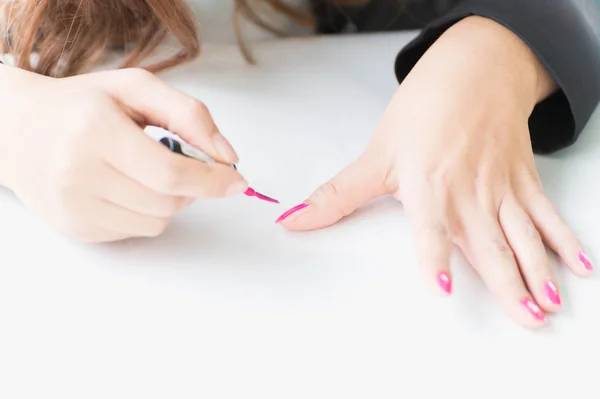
(183, 148)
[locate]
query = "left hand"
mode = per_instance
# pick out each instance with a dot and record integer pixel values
(454, 148)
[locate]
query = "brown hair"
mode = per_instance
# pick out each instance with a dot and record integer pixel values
(70, 36)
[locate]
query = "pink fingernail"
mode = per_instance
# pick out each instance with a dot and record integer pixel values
(534, 309)
(287, 213)
(552, 292)
(445, 282)
(585, 261)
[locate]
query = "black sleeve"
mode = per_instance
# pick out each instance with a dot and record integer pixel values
(563, 34)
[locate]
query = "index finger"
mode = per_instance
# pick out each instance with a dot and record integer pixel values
(164, 106)
(156, 167)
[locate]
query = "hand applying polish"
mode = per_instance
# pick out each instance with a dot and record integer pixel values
(181, 147)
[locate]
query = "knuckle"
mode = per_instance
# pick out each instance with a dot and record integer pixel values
(138, 75)
(500, 247)
(483, 182)
(327, 190)
(529, 191)
(529, 179)
(329, 193)
(194, 110)
(390, 183)
(191, 112)
(435, 176)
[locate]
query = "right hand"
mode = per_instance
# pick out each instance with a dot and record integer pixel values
(77, 156)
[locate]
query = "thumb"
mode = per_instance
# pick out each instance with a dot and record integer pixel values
(362, 181)
(159, 104)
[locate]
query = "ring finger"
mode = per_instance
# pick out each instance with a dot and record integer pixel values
(108, 216)
(125, 192)
(527, 245)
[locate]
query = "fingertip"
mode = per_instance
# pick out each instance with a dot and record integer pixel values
(523, 309)
(546, 295)
(579, 263)
(444, 282)
(585, 264)
(533, 313)
(218, 181)
(236, 188)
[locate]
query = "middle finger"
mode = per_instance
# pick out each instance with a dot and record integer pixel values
(486, 248)
(530, 252)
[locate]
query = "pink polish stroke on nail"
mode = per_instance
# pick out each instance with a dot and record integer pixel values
(533, 309)
(552, 292)
(287, 213)
(250, 192)
(585, 261)
(445, 282)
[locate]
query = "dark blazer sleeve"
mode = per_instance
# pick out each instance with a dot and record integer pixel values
(563, 34)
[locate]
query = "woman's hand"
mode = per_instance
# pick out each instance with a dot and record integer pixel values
(454, 147)
(74, 151)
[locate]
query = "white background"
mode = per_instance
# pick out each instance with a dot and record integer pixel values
(228, 305)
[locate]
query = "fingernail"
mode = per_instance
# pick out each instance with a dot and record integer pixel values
(552, 292)
(533, 309)
(445, 282)
(287, 213)
(236, 188)
(224, 149)
(585, 261)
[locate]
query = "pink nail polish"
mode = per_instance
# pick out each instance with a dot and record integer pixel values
(585, 261)
(551, 291)
(445, 282)
(534, 309)
(287, 213)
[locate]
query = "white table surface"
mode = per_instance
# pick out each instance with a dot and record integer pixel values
(228, 305)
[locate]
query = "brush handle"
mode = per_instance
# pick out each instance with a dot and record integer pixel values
(180, 147)
(183, 148)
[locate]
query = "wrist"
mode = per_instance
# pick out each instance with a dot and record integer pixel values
(506, 54)
(16, 105)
